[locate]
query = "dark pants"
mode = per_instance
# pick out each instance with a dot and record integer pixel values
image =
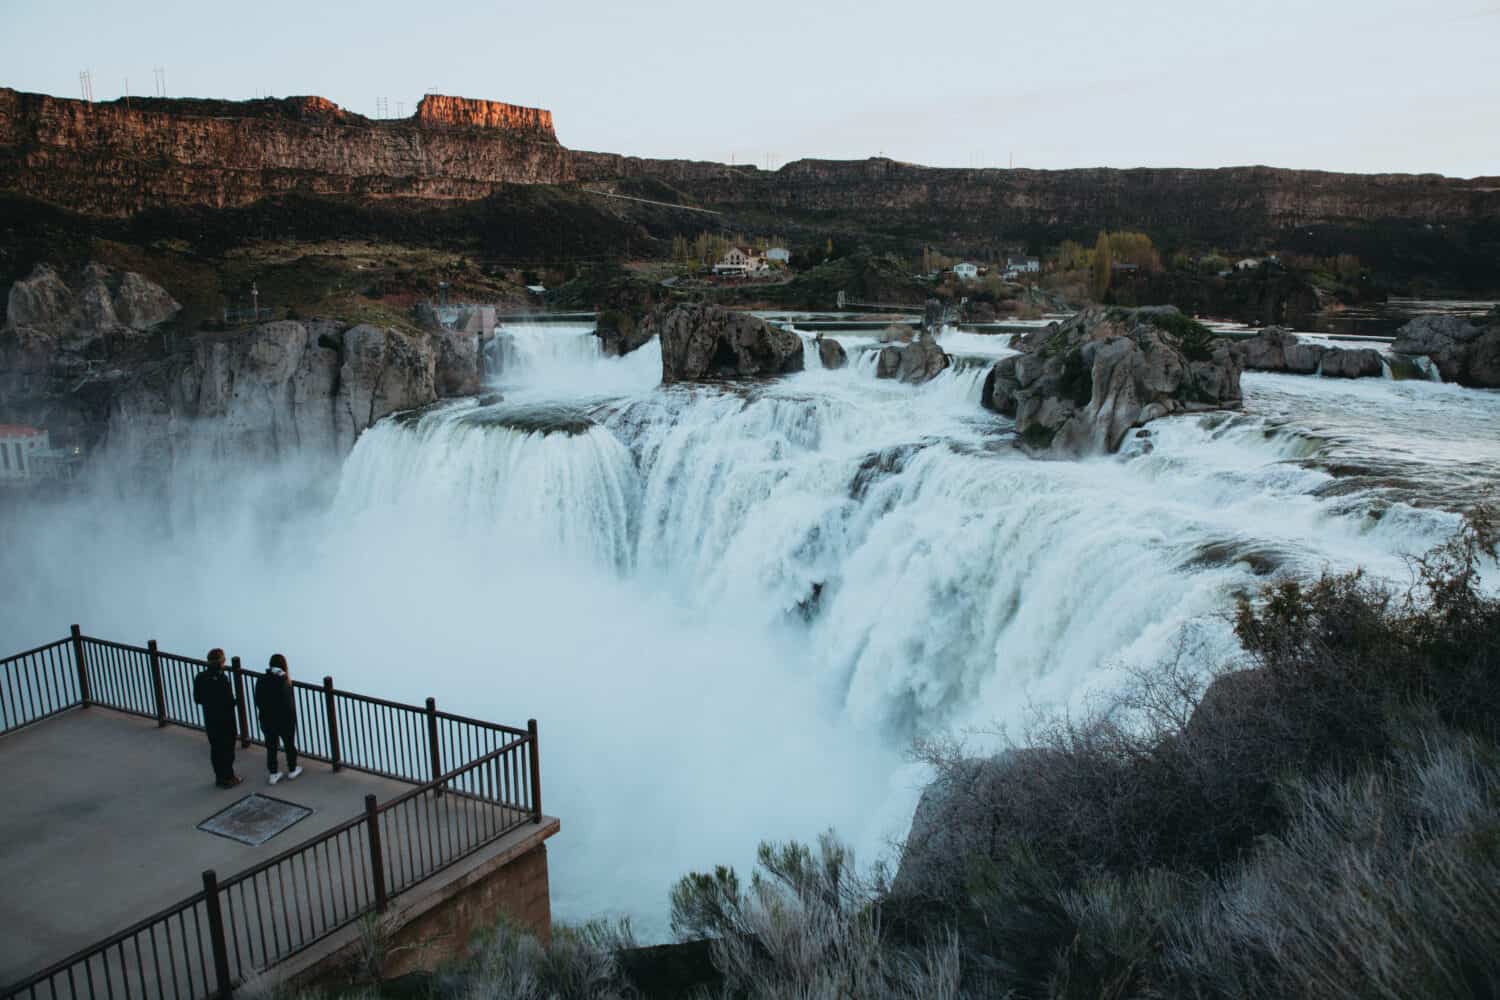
(286, 738)
(221, 752)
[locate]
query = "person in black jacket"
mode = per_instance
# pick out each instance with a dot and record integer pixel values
(277, 708)
(213, 690)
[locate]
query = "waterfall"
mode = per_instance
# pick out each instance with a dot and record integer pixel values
(731, 607)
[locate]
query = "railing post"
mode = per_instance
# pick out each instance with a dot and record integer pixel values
(334, 752)
(156, 685)
(216, 935)
(432, 742)
(239, 700)
(377, 859)
(84, 694)
(536, 774)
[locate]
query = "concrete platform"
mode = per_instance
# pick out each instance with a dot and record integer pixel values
(98, 827)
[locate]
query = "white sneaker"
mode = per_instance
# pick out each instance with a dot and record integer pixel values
(275, 777)
(294, 772)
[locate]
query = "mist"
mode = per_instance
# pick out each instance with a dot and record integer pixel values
(731, 609)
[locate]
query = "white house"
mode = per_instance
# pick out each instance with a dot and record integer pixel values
(1248, 264)
(20, 447)
(1023, 264)
(966, 271)
(779, 255)
(740, 261)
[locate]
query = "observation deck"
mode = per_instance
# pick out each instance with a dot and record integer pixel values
(426, 822)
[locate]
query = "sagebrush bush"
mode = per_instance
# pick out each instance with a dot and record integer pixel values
(509, 963)
(808, 926)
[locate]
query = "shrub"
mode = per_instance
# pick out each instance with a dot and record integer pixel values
(808, 926)
(581, 964)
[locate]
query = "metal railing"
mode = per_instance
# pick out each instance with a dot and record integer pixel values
(219, 937)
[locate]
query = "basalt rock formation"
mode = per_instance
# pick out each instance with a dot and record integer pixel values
(1277, 349)
(119, 158)
(831, 353)
(1079, 386)
(707, 342)
(80, 357)
(620, 332)
(123, 157)
(916, 362)
(1464, 351)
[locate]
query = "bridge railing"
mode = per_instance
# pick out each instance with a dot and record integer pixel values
(204, 945)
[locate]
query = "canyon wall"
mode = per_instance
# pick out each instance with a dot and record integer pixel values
(118, 158)
(121, 157)
(1230, 198)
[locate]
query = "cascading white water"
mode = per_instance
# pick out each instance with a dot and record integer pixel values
(730, 607)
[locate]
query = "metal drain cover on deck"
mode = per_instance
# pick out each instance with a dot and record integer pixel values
(254, 819)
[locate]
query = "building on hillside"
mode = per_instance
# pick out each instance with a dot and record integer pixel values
(779, 255)
(26, 457)
(966, 271)
(1124, 267)
(19, 445)
(1019, 265)
(739, 262)
(1248, 264)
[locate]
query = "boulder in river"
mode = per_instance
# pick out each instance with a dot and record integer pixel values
(1077, 387)
(1465, 351)
(706, 342)
(915, 363)
(620, 332)
(832, 353)
(1351, 362)
(1277, 349)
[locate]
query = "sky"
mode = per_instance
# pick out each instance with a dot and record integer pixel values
(1375, 86)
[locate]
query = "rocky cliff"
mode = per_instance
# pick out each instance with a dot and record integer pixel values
(119, 158)
(79, 355)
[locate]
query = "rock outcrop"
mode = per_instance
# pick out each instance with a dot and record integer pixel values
(101, 303)
(1356, 362)
(619, 332)
(831, 353)
(1277, 349)
(916, 362)
(708, 342)
(1079, 386)
(1464, 351)
(269, 390)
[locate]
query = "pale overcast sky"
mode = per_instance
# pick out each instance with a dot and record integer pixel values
(1381, 85)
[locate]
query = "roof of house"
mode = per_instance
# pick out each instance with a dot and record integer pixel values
(20, 430)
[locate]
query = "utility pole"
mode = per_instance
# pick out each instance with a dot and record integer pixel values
(254, 303)
(160, 73)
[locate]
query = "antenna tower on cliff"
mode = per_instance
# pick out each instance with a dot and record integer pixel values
(380, 108)
(160, 73)
(86, 84)
(400, 109)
